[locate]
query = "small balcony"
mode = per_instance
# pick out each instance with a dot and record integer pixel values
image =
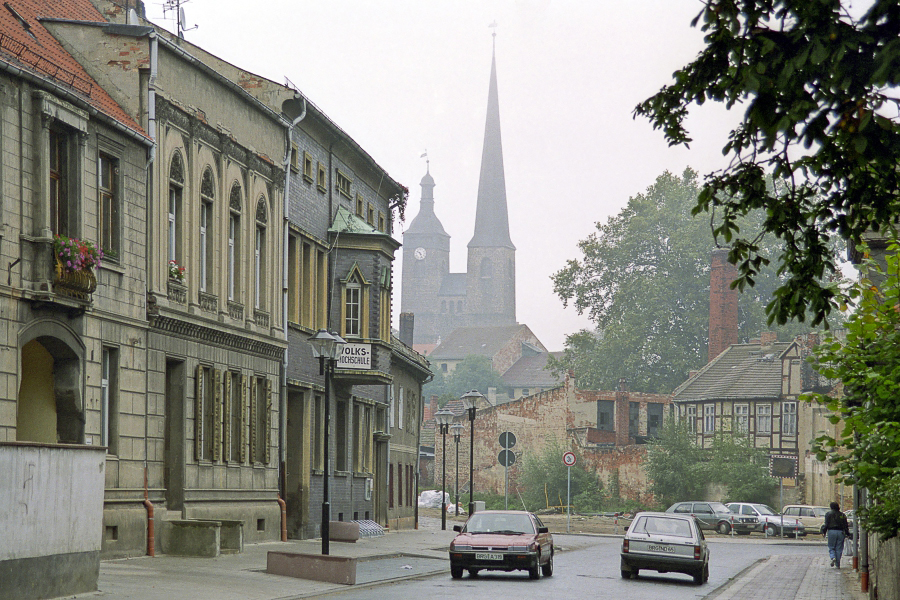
(74, 284)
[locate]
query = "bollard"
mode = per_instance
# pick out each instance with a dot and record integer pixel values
(732, 525)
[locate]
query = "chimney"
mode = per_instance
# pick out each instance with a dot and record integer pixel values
(407, 324)
(767, 338)
(723, 304)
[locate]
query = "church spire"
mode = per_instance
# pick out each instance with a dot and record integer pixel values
(491, 219)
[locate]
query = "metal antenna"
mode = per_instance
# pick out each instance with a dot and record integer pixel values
(176, 6)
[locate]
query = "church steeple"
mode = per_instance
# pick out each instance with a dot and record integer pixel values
(491, 219)
(426, 221)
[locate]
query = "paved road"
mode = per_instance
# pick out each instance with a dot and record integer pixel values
(590, 568)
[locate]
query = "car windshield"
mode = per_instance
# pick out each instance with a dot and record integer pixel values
(763, 509)
(662, 526)
(499, 523)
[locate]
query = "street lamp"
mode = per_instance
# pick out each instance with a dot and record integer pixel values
(456, 430)
(470, 399)
(443, 418)
(327, 348)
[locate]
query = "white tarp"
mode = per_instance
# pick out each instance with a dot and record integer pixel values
(432, 499)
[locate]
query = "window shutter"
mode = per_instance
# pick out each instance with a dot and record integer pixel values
(217, 418)
(198, 413)
(254, 428)
(243, 415)
(267, 433)
(229, 416)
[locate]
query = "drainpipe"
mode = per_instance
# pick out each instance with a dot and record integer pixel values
(151, 543)
(284, 321)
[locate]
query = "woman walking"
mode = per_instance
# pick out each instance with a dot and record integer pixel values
(836, 529)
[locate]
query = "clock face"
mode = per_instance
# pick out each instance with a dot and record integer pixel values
(420, 253)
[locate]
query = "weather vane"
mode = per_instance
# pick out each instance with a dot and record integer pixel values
(427, 160)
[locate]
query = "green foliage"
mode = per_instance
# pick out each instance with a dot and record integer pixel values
(741, 468)
(815, 85)
(474, 372)
(654, 255)
(675, 465)
(680, 470)
(866, 452)
(544, 479)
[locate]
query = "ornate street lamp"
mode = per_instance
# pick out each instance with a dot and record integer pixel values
(456, 430)
(443, 418)
(470, 399)
(327, 348)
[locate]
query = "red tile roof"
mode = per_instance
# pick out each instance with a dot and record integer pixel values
(25, 43)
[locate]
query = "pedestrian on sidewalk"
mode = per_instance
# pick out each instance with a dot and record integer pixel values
(836, 529)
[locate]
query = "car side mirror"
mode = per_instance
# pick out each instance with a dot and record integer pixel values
(457, 528)
(543, 530)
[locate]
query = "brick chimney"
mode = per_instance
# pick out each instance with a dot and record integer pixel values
(767, 338)
(723, 304)
(407, 324)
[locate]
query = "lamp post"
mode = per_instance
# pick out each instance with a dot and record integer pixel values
(469, 401)
(456, 430)
(443, 418)
(327, 348)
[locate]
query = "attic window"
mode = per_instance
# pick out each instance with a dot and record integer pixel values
(25, 25)
(343, 184)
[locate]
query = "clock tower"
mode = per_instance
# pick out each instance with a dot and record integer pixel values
(426, 262)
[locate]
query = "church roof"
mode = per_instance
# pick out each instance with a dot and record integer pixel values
(426, 221)
(491, 218)
(482, 341)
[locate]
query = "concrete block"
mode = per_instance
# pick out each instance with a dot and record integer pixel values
(189, 537)
(317, 567)
(342, 531)
(232, 537)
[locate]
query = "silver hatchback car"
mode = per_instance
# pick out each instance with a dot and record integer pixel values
(665, 542)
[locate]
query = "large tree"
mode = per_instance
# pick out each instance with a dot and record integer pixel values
(474, 372)
(815, 84)
(643, 279)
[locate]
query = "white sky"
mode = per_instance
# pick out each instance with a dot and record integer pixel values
(403, 76)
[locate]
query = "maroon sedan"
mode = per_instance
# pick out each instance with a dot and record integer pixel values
(502, 540)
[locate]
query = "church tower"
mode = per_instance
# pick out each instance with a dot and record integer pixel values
(426, 262)
(491, 264)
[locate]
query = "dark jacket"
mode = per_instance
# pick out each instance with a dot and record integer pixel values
(835, 519)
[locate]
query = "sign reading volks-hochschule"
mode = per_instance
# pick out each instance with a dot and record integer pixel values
(355, 356)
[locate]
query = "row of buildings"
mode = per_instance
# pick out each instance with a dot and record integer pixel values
(235, 219)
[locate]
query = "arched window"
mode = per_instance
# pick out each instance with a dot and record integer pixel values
(235, 203)
(259, 255)
(176, 186)
(207, 196)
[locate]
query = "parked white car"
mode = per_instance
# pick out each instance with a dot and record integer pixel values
(770, 522)
(665, 542)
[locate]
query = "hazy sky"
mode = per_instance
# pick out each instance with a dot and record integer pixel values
(403, 76)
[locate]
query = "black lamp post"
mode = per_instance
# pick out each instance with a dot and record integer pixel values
(327, 348)
(443, 418)
(469, 401)
(456, 430)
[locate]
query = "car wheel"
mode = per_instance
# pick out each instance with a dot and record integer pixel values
(473, 572)
(724, 528)
(626, 574)
(698, 576)
(547, 570)
(535, 571)
(771, 530)
(456, 572)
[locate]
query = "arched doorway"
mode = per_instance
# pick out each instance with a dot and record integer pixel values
(50, 403)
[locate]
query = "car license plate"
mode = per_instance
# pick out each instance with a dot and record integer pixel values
(658, 548)
(488, 556)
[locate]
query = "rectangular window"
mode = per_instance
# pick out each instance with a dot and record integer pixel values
(634, 416)
(391, 409)
(175, 224)
(741, 418)
(59, 183)
(399, 484)
(307, 167)
(205, 245)
(654, 418)
(259, 259)
(234, 232)
(691, 416)
(400, 411)
(293, 268)
(109, 405)
(343, 184)
(238, 418)
(789, 418)
(381, 222)
(321, 179)
(110, 237)
(605, 415)
(352, 310)
(391, 485)
(359, 205)
(204, 414)
(370, 215)
(709, 419)
(263, 406)
(295, 158)
(318, 430)
(763, 419)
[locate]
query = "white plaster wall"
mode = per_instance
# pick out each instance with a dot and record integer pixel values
(51, 499)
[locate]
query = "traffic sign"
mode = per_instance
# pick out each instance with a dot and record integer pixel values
(507, 458)
(569, 459)
(507, 439)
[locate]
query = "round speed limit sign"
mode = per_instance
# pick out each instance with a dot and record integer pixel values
(569, 459)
